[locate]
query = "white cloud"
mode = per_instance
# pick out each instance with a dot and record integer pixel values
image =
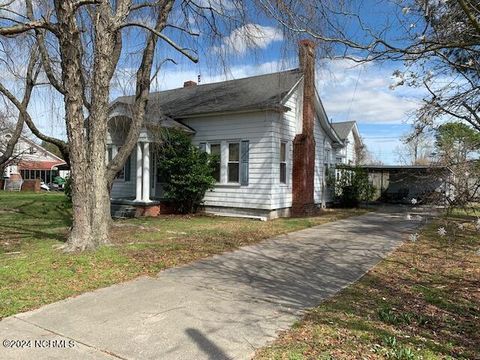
(361, 92)
(249, 36)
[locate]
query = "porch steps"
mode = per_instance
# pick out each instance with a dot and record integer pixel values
(121, 211)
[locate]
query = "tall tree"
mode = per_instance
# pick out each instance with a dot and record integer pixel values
(87, 35)
(457, 143)
(458, 148)
(81, 47)
(417, 149)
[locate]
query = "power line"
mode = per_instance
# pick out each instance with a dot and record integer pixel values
(354, 93)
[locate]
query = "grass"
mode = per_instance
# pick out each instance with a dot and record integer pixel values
(34, 271)
(422, 302)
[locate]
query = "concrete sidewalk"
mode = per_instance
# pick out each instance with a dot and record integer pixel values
(223, 307)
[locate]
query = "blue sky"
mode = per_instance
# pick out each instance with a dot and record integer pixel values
(349, 91)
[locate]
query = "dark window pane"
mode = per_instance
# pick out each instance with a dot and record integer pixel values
(216, 172)
(283, 173)
(233, 172)
(215, 150)
(121, 173)
(234, 152)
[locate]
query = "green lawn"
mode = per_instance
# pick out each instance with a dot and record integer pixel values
(422, 302)
(34, 271)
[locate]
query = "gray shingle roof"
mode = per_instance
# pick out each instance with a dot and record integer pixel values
(343, 128)
(253, 93)
(123, 109)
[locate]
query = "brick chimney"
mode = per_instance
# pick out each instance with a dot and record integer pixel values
(304, 143)
(189, 83)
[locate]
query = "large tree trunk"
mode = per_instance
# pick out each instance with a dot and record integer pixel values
(91, 218)
(85, 192)
(91, 177)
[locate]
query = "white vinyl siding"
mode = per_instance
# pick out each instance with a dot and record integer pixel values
(255, 127)
(322, 143)
(126, 189)
(350, 149)
(320, 139)
(347, 153)
(285, 127)
(283, 162)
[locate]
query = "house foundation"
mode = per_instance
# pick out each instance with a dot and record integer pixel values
(122, 208)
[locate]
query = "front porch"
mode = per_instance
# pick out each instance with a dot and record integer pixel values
(139, 192)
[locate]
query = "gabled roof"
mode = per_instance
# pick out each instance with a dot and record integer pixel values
(263, 92)
(343, 129)
(57, 159)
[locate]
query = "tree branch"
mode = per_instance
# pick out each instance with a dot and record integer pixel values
(169, 41)
(46, 62)
(30, 79)
(24, 27)
(63, 146)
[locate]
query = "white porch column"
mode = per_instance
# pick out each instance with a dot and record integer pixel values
(146, 172)
(138, 196)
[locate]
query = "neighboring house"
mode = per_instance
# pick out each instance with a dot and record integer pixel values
(31, 161)
(272, 134)
(348, 132)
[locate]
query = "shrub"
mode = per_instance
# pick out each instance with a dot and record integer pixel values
(353, 186)
(185, 171)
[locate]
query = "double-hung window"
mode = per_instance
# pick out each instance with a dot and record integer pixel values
(283, 162)
(234, 162)
(216, 150)
(231, 161)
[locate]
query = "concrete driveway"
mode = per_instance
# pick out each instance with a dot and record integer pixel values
(223, 307)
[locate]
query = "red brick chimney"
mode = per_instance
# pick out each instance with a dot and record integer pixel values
(189, 83)
(304, 143)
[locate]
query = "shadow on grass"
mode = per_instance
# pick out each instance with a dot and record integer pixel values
(44, 211)
(34, 233)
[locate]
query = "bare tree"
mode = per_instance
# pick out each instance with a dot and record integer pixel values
(417, 149)
(9, 129)
(81, 47)
(361, 152)
(438, 41)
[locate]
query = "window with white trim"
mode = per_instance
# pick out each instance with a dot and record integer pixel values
(232, 161)
(283, 162)
(233, 168)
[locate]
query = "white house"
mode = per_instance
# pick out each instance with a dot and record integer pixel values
(30, 161)
(348, 132)
(271, 131)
